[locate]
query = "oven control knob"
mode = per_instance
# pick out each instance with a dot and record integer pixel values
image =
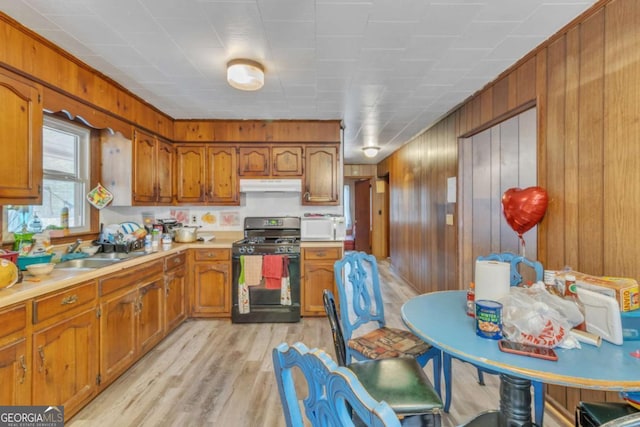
(250, 249)
(241, 249)
(290, 249)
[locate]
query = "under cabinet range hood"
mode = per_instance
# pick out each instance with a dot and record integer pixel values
(271, 185)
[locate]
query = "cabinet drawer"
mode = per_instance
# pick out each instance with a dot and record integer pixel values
(49, 306)
(212, 254)
(322, 253)
(13, 321)
(130, 276)
(174, 261)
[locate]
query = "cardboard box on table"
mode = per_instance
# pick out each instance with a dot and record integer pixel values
(624, 290)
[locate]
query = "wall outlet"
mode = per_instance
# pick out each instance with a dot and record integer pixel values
(194, 219)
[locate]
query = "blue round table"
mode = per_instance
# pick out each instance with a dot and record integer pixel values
(440, 319)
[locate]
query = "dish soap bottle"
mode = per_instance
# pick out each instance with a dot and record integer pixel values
(64, 218)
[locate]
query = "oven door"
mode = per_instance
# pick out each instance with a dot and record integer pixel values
(264, 303)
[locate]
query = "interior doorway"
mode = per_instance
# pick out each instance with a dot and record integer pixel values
(362, 215)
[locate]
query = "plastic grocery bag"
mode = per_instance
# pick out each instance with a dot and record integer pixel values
(534, 316)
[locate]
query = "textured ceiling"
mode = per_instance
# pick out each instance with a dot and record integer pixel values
(387, 68)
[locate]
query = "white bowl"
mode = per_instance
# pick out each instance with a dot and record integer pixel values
(91, 250)
(41, 269)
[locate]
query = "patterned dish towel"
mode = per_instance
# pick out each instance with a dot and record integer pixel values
(253, 269)
(285, 289)
(243, 290)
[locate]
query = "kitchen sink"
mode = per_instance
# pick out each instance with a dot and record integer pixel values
(86, 263)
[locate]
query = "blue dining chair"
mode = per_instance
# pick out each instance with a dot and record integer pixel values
(334, 395)
(399, 381)
(362, 308)
(515, 261)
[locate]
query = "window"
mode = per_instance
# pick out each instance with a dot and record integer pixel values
(65, 148)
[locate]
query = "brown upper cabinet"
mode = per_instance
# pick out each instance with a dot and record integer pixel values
(21, 140)
(266, 161)
(320, 182)
(152, 169)
(207, 174)
(287, 160)
(254, 161)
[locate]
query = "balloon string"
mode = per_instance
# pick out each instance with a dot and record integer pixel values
(522, 246)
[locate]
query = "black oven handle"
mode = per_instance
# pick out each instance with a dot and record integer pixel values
(291, 256)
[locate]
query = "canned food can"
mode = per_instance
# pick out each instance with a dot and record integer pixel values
(489, 319)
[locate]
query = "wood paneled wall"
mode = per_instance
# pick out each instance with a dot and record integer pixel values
(585, 83)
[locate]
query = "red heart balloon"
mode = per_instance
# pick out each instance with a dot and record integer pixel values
(523, 209)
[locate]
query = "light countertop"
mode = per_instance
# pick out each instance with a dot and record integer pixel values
(60, 279)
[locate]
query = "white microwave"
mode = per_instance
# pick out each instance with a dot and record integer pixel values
(322, 228)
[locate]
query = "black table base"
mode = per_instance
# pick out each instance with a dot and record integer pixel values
(515, 406)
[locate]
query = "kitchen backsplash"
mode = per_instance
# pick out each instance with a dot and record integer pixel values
(226, 218)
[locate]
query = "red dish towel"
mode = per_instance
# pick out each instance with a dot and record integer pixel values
(272, 271)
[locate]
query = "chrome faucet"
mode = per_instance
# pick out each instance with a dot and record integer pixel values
(72, 248)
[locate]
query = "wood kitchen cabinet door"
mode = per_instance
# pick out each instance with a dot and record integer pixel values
(222, 180)
(212, 289)
(165, 175)
(65, 362)
(145, 169)
(211, 283)
(175, 297)
(15, 360)
(118, 333)
(190, 173)
(321, 176)
(287, 160)
(317, 275)
(150, 314)
(15, 374)
(21, 140)
(254, 161)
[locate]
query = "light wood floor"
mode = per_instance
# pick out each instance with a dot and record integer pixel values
(214, 373)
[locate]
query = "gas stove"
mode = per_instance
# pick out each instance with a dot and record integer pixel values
(269, 235)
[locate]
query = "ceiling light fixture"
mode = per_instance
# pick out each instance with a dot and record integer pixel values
(371, 150)
(245, 74)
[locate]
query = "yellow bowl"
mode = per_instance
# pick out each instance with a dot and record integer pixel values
(8, 273)
(41, 269)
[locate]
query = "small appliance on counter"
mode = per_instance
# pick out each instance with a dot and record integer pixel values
(319, 227)
(169, 224)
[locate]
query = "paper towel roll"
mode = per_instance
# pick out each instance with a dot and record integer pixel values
(493, 279)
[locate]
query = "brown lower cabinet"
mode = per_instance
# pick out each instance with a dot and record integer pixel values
(211, 283)
(317, 275)
(15, 359)
(64, 340)
(175, 273)
(131, 317)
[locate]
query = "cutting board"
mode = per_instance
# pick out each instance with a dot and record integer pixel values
(602, 315)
